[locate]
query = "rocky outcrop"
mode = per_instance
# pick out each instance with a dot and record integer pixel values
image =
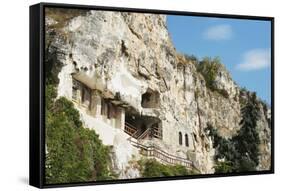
(125, 54)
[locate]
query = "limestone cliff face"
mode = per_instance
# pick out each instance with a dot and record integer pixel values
(127, 54)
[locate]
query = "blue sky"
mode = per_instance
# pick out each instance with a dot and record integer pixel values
(243, 46)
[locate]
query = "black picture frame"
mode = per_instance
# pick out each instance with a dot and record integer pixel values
(37, 92)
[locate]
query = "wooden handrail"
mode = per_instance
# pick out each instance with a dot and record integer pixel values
(136, 133)
(157, 134)
(129, 129)
(153, 151)
(130, 126)
(144, 134)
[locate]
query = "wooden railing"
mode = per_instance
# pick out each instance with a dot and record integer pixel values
(138, 134)
(153, 151)
(129, 129)
(134, 132)
(157, 133)
(144, 134)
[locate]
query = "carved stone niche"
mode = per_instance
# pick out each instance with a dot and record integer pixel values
(150, 99)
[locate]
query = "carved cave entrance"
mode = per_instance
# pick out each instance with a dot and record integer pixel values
(142, 127)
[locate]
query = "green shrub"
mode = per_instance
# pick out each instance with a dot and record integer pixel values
(152, 168)
(209, 69)
(224, 167)
(73, 153)
(192, 58)
(50, 95)
(52, 62)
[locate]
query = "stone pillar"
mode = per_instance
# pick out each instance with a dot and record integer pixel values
(95, 106)
(105, 109)
(120, 118)
(79, 98)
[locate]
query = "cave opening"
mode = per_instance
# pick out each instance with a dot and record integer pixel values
(142, 127)
(150, 99)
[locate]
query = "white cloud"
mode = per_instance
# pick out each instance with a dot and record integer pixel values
(218, 32)
(255, 59)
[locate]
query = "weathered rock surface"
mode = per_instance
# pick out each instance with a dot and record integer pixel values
(127, 53)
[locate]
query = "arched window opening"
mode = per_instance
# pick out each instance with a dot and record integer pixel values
(186, 140)
(180, 138)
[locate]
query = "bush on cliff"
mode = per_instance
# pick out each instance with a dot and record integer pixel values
(73, 153)
(152, 168)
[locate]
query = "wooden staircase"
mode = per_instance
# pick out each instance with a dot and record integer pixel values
(153, 151)
(144, 134)
(136, 133)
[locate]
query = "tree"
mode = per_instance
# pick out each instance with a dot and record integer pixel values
(247, 141)
(241, 153)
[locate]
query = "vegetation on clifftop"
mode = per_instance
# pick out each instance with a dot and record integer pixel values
(209, 68)
(62, 16)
